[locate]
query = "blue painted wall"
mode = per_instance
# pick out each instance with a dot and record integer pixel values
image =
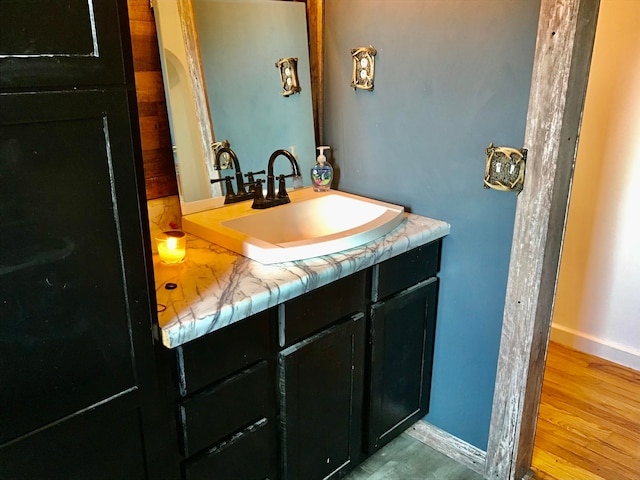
(451, 77)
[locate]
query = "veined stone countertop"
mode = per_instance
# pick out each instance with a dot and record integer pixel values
(217, 287)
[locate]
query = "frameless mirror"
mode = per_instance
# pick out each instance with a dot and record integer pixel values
(219, 61)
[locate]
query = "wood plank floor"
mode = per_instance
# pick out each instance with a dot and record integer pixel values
(589, 419)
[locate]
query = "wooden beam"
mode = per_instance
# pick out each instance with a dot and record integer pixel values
(566, 32)
(315, 20)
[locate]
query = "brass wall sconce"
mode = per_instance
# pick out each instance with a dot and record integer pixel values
(363, 67)
(289, 75)
(505, 168)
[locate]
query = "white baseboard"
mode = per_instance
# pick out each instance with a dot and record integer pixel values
(612, 351)
(462, 452)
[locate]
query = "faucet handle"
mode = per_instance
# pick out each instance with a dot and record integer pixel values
(282, 188)
(227, 184)
(251, 181)
(258, 197)
(230, 194)
(250, 175)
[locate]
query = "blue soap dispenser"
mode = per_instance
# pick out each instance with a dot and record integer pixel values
(321, 172)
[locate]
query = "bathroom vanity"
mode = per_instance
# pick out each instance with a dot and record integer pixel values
(314, 349)
(298, 370)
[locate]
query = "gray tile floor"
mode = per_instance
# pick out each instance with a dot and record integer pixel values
(406, 458)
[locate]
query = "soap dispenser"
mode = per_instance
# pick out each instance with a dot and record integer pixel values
(321, 172)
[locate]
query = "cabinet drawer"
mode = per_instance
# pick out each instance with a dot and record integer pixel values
(249, 455)
(223, 352)
(226, 407)
(398, 273)
(319, 308)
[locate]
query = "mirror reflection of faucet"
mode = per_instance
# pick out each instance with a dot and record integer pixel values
(272, 199)
(231, 196)
(251, 180)
(200, 100)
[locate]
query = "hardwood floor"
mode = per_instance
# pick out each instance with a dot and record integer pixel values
(588, 429)
(589, 419)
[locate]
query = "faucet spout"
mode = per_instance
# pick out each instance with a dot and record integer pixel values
(287, 154)
(270, 177)
(271, 200)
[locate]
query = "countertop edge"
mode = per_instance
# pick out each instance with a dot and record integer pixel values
(216, 287)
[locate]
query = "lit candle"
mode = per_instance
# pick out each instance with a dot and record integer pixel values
(172, 246)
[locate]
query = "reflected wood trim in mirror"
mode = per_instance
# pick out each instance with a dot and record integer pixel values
(315, 19)
(159, 172)
(192, 50)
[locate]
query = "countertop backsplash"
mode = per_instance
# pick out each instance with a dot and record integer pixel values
(164, 214)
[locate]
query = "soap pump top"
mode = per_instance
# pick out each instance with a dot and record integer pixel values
(322, 172)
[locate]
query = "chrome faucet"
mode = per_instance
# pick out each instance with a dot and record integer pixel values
(272, 199)
(231, 196)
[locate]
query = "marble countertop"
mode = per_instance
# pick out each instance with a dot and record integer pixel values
(217, 287)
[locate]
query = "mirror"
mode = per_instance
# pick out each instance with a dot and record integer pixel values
(219, 64)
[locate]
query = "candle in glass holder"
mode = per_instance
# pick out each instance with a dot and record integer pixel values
(172, 246)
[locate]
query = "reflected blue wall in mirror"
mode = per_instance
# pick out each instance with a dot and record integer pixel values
(240, 42)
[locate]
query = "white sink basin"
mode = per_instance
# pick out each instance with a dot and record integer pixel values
(313, 224)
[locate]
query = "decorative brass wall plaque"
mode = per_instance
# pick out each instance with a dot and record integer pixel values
(505, 168)
(289, 75)
(363, 67)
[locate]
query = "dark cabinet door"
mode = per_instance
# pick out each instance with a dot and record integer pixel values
(402, 336)
(75, 320)
(57, 44)
(321, 383)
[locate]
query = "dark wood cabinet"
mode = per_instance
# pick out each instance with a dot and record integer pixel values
(225, 402)
(402, 336)
(320, 379)
(321, 386)
(79, 386)
(401, 339)
(309, 389)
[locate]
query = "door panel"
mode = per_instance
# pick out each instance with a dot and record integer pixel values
(321, 401)
(402, 336)
(71, 276)
(71, 43)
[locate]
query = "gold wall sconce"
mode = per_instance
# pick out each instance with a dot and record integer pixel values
(505, 168)
(363, 67)
(289, 75)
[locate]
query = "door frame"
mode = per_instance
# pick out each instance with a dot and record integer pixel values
(564, 45)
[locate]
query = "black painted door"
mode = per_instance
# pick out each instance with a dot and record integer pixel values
(78, 385)
(75, 329)
(402, 336)
(321, 384)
